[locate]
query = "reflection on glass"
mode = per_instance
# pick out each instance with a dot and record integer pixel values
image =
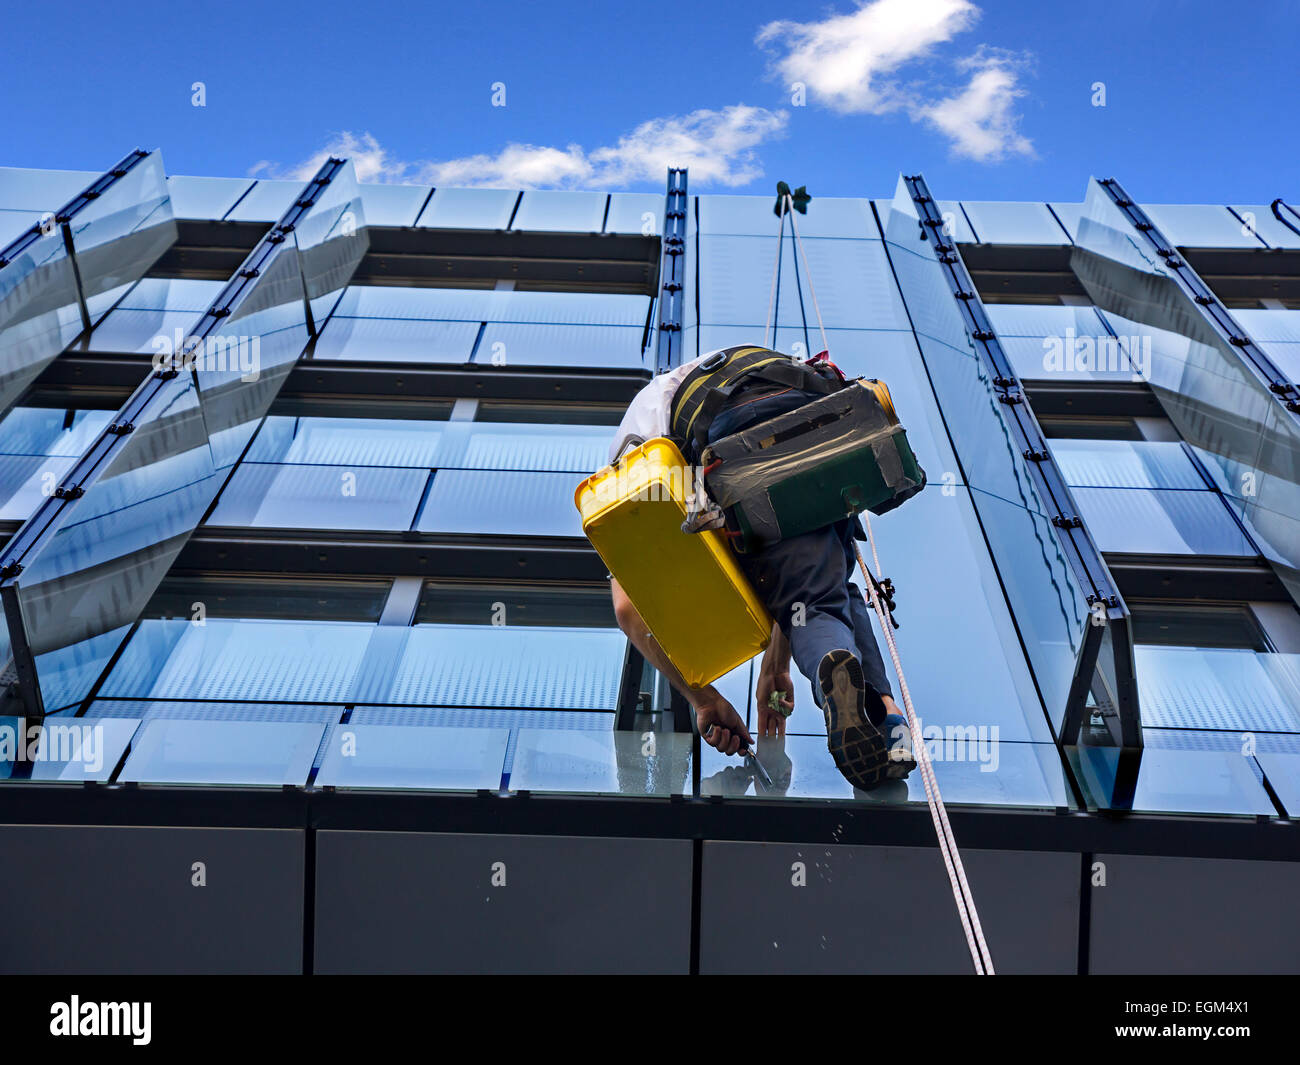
(68, 749)
(579, 761)
(1173, 781)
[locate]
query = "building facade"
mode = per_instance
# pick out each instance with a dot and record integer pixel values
(325, 677)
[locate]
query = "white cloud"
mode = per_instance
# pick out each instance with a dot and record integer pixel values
(845, 60)
(851, 63)
(718, 146)
(981, 120)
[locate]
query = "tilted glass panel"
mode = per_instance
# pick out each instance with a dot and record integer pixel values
(469, 209)
(561, 211)
(1014, 223)
(122, 233)
(37, 447)
(140, 504)
(1126, 464)
(1196, 688)
(348, 441)
(587, 762)
(205, 197)
(126, 530)
(517, 344)
(153, 317)
(359, 755)
(1218, 404)
(1045, 596)
(243, 753)
(69, 749)
(393, 205)
(39, 313)
(1161, 522)
(1069, 214)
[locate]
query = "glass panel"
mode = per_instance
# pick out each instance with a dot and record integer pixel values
(393, 205)
(396, 340)
(320, 497)
(1283, 772)
(1069, 214)
(1217, 689)
(171, 294)
(854, 287)
(39, 313)
(981, 771)
(1068, 359)
(394, 756)
(1014, 223)
(1270, 325)
(249, 754)
(1182, 625)
(1175, 781)
(1044, 320)
(385, 301)
(65, 748)
(617, 347)
(1126, 464)
(348, 441)
(504, 503)
(469, 209)
(478, 604)
(141, 332)
(266, 202)
(1160, 522)
(205, 197)
(22, 189)
(1194, 225)
(577, 761)
(197, 598)
(561, 212)
(1261, 219)
(50, 430)
(827, 216)
(635, 212)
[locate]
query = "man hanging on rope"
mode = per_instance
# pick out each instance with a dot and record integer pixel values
(805, 581)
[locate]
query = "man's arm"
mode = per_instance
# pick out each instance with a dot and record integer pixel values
(729, 734)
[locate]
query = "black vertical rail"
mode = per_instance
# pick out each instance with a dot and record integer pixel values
(1285, 393)
(1075, 540)
(672, 274)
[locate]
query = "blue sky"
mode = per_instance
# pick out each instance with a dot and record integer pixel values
(992, 100)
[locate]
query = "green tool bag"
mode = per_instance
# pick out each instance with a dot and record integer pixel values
(829, 459)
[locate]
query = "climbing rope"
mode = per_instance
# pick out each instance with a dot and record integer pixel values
(970, 920)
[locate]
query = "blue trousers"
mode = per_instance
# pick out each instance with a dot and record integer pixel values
(804, 581)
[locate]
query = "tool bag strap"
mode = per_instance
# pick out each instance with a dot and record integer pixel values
(707, 388)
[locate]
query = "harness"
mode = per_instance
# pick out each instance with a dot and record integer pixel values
(708, 387)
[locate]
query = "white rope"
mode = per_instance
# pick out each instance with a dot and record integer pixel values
(807, 273)
(961, 893)
(771, 299)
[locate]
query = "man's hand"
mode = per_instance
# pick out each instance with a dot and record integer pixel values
(771, 722)
(720, 725)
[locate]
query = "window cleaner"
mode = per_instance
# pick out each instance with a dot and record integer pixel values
(778, 458)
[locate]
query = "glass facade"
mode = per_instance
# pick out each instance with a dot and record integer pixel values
(358, 566)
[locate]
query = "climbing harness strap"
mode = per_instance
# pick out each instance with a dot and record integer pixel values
(880, 598)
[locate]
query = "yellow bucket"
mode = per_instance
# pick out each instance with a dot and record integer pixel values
(687, 587)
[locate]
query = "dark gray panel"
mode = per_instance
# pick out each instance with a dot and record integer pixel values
(1195, 915)
(425, 902)
(97, 899)
(882, 910)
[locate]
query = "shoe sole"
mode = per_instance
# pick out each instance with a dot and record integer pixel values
(856, 745)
